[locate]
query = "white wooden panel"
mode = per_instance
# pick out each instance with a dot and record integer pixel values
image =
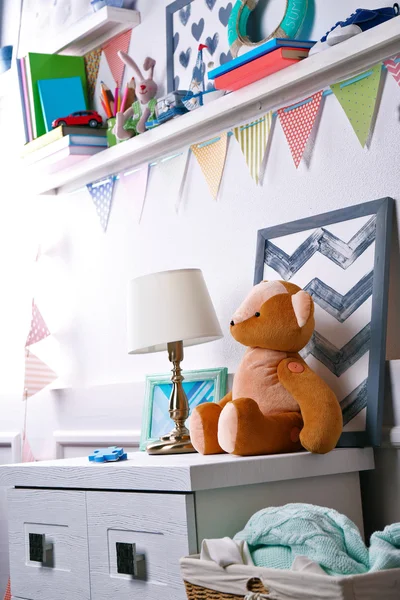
(224, 512)
(74, 444)
(10, 452)
(61, 516)
(163, 528)
(185, 472)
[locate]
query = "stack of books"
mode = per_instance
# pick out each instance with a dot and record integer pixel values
(263, 60)
(64, 146)
(52, 87)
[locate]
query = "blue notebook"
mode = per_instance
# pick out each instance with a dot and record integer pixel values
(60, 98)
(258, 51)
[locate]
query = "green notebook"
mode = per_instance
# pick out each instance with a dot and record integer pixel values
(49, 66)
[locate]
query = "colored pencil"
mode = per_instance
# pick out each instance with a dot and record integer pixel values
(106, 101)
(116, 100)
(103, 104)
(125, 98)
(106, 90)
(131, 94)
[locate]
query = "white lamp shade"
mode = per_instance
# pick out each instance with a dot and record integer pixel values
(170, 306)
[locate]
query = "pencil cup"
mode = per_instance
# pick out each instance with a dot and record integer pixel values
(111, 139)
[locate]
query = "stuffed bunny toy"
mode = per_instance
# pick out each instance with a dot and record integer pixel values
(133, 120)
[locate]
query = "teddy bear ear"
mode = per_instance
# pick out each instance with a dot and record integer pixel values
(302, 304)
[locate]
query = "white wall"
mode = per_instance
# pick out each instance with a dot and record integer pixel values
(82, 278)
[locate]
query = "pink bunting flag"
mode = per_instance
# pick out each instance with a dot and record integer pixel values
(119, 43)
(7, 595)
(297, 122)
(38, 330)
(393, 66)
(135, 184)
(27, 454)
(37, 375)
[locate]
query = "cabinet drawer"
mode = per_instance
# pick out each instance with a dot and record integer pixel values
(48, 545)
(158, 527)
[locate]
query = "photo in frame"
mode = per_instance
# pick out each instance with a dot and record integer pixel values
(341, 258)
(206, 385)
(190, 23)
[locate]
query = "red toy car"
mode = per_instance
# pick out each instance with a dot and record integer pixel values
(82, 117)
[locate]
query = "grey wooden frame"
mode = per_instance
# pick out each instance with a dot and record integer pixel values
(170, 10)
(383, 209)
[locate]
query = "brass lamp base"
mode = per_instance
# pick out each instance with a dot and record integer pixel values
(170, 445)
(178, 441)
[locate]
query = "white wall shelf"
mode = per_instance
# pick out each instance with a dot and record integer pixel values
(285, 87)
(93, 31)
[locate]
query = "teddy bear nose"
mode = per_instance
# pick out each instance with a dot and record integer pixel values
(232, 323)
(143, 87)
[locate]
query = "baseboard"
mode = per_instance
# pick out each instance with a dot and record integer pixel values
(129, 439)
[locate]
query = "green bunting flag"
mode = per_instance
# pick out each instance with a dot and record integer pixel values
(358, 97)
(253, 140)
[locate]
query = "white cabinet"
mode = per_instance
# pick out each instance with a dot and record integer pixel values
(158, 528)
(80, 531)
(56, 520)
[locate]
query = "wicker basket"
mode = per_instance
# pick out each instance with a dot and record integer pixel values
(195, 592)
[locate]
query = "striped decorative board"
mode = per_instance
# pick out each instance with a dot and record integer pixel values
(342, 260)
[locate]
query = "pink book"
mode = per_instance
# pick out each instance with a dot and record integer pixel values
(26, 99)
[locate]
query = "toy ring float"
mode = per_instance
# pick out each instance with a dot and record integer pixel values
(290, 25)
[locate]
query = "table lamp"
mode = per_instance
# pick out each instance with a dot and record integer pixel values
(167, 311)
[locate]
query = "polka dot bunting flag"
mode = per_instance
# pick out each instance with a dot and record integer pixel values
(38, 330)
(297, 122)
(102, 195)
(211, 157)
(358, 99)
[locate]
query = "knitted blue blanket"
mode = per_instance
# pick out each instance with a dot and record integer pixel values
(277, 535)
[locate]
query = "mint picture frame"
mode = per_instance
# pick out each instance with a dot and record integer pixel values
(205, 385)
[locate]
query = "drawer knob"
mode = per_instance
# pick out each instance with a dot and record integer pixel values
(127, 559)
(38, 547)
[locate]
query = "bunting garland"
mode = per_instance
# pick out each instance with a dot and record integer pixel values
(358, 97)
(297, 123)
(39, 330)
(211, 157)
(119, 43)
(102, 195)
(253, 140)
(393, 66)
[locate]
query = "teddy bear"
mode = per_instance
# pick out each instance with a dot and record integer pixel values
(277, 403)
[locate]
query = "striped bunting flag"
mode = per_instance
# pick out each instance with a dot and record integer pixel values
(253, 140)
(37, 375)
(393, 66)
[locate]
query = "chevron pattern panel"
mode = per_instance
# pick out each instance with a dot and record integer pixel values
(335, 264)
